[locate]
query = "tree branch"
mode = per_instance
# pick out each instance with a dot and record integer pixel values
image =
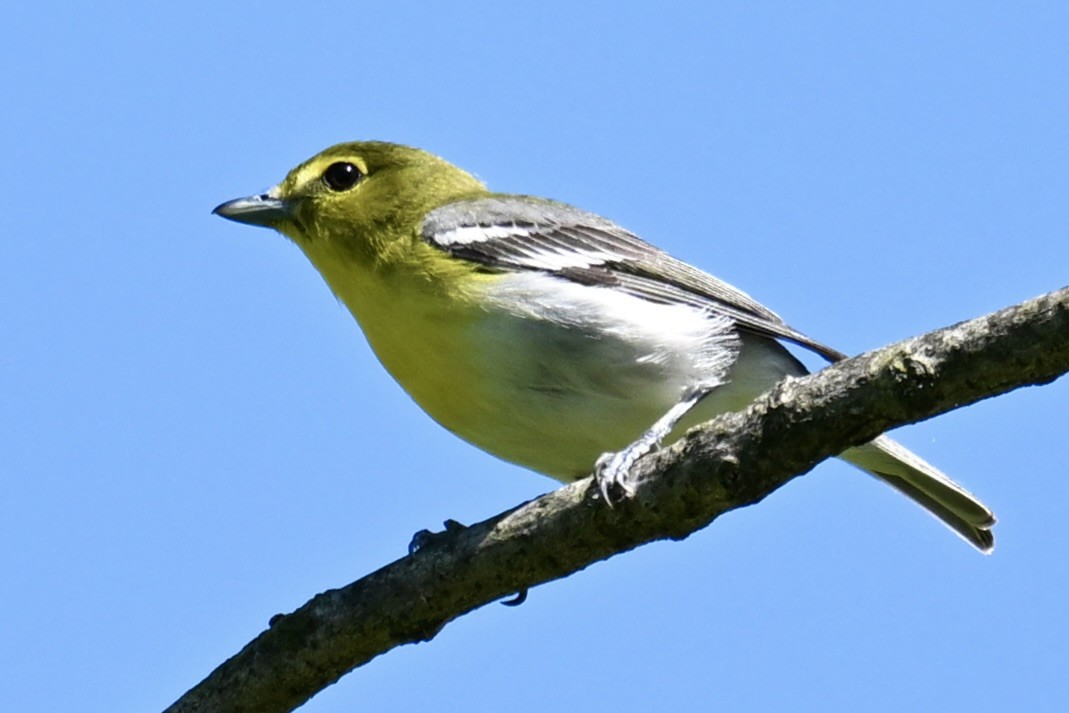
(735, 460)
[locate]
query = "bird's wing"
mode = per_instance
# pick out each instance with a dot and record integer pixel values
(521, 233)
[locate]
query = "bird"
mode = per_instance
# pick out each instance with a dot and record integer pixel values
(546, 335)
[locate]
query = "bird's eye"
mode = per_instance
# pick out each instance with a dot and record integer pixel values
(341, 176)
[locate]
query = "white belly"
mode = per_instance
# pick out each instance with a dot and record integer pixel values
(550, 374)
(565, 372)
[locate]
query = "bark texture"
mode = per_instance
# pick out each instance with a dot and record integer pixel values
(732, 461)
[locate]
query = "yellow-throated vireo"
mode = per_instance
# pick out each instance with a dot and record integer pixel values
(543, 334)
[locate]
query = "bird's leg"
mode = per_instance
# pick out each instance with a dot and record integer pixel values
(612, 470)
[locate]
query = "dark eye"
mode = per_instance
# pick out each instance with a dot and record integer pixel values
(341, 176)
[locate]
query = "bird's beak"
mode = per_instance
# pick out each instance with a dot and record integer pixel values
(266, 209)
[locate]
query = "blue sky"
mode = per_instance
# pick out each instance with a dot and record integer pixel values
(194, 435)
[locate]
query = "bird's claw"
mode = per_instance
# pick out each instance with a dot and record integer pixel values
(426, 538)
(612, 471)
(518, 599)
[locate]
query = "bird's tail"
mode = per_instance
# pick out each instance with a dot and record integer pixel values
(956, 507)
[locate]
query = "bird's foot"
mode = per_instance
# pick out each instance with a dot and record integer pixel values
(519, 598)
(426, 538)
(612, 471)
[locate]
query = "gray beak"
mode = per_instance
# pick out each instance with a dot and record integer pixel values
(264, 210)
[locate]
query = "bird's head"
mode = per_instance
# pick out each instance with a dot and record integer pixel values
(365, 198)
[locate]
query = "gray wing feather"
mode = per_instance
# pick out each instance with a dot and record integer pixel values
(522, 233)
